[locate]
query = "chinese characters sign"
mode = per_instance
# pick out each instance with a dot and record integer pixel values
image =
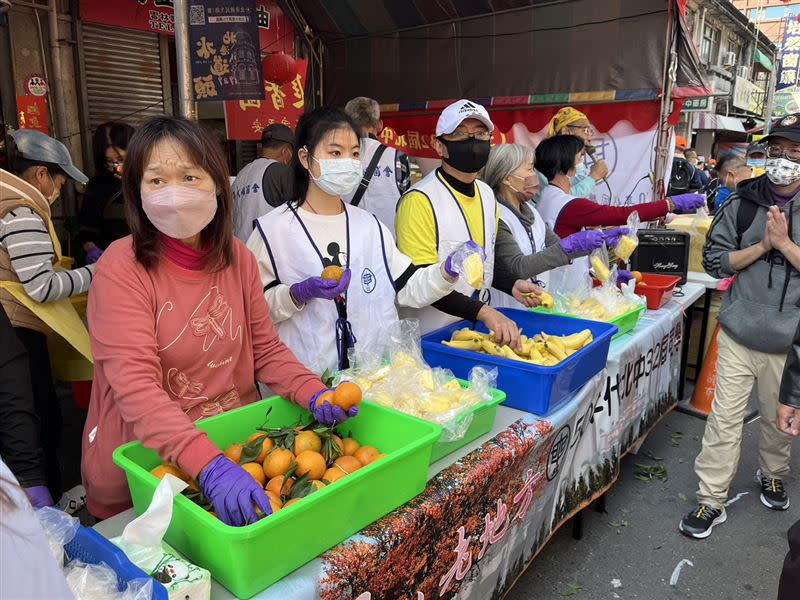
(246, 119)
(226, 59)
(787, 76)
(32, 113)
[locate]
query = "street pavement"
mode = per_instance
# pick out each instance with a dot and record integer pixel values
(631, 550)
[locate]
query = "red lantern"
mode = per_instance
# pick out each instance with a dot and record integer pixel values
(279, 68)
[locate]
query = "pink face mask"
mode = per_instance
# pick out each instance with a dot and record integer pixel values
(179, 211)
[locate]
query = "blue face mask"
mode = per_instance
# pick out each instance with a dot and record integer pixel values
(581, 171)
(757, 163)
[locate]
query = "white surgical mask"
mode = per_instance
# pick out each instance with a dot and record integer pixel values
(782, 171)
(56, 192)
(179, 211)
(338, 176)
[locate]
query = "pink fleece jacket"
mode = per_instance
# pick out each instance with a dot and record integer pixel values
(172, 346)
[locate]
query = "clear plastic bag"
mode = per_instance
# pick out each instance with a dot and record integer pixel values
(99, 582)
(59, 528)
(599, 262)
(402, 380)
(467, 260)
(628, 242)
(602, 303)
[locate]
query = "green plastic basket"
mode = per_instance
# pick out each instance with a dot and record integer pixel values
(625, 322)
(248, 559)
(483, 416)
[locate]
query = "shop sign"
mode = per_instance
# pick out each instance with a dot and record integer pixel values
(790, 60)
(697, 104)
(32, 113)
(36, 85)
(745, 95)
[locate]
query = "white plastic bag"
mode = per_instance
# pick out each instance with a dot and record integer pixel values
(99, 582)
(59, 527)
(142, 539)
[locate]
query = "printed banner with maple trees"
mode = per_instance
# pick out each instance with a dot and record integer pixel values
(246, 119)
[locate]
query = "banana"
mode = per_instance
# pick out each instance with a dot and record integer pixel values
(491, 348)
(510, 354)
(555, 346)
(625, 247)
(474, 345)
(545, 298)
(467, 335)
(473, 270)
(577, 340)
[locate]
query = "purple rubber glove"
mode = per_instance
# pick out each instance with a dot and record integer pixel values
(232, 491)
(39, 496)
(624, 276)
(688, 203)
(317, 287)
(93, 255)
(327, 413)
(582, 242)
(452, 265)
(611, 236)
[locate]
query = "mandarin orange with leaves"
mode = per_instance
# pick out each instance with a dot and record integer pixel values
(312, 463)
(266, 445)
(307, 440)
(277, 462)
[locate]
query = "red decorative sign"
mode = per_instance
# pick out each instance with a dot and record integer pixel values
(246, 119)
(32, 113)
(275, 30)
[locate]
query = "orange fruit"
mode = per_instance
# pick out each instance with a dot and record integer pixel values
(332, 272)
(278, 485)
(277, 462)
(312, 463)
(274, 501)
(266, 445)
(347, 395)
(256, 472)
(333, 474)
(307, 440)
(637, 275)
(292, 501)
(347, 464)
(326, 397)
(366, 454)
(234, 452)
(349, 446)
(166, 468)
(317, 484)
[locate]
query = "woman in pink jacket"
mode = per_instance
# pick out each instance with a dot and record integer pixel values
(180, 328)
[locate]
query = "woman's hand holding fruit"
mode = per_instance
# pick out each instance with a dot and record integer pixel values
(325, 287)
(335, 406)
(233, 492)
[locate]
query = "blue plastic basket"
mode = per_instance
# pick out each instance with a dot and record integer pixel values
(92, 548)
(528, 387)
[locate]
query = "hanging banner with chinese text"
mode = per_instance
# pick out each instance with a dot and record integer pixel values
(246, 119)
(32, 113)
(481, 521)
(276, 32)
(223, 42)
(625, 137)
(790, 60)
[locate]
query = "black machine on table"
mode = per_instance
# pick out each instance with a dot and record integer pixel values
(662, 251)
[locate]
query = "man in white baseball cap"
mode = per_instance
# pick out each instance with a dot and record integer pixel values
(449, 207)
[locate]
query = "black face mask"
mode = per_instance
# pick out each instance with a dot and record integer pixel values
(469, 156)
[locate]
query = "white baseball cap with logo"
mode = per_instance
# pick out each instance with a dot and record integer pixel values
(457, 112)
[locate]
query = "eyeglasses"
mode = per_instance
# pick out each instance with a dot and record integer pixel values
(585, 130)
(777, 152)
(462, 136)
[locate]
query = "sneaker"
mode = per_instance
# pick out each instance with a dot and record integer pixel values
(699, 523)
(73, 500)
(773, 496)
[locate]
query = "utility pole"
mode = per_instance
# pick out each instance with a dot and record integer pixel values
(186, 101)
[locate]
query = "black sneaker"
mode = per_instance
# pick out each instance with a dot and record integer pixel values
(699, 523)
(773, 495)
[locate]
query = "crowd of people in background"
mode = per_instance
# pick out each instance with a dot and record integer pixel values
(203, 285)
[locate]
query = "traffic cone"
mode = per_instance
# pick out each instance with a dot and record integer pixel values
(706, 384)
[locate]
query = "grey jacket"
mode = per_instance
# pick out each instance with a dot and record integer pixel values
(761, 309)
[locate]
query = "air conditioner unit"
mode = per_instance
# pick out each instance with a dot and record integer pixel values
(729, 59)
(743, 72)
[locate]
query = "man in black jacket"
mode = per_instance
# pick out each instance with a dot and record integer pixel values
(789, 422)
(19, 427)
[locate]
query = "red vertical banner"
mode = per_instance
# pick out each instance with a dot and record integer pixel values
(32, 113)
(246, 119)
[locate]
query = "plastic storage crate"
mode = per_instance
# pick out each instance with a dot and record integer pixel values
(626, 322)
(532, 388)
(658, 289)
(239, 557)
(90, 547)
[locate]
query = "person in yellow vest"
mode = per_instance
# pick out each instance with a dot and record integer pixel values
(33, 290)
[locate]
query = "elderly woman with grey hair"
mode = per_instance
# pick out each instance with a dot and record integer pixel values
(526, 247)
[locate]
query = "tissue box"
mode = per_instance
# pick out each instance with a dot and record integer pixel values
(697, 228)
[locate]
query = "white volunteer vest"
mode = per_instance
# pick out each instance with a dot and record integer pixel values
(311, 333)
(382, 194)
(530, 240)
(248, 197)
(569, 277)
(452, 230)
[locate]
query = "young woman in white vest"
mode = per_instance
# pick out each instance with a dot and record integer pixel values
(451, 206)
(558, 158)
(526, 245)
(318, 318)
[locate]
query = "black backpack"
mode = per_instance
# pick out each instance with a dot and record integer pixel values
(681, 176)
